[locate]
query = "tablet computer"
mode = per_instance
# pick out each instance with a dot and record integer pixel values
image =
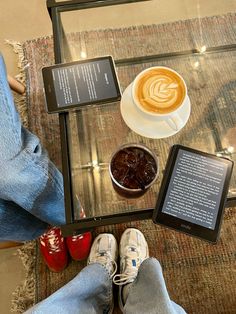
(80, 83)
(193, 192)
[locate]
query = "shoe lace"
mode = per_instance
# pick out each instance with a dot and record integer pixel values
(131, 263)
(105, 258)
(52, 240)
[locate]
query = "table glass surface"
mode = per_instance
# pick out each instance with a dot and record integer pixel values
(195, 38)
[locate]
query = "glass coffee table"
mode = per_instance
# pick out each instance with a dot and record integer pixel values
(196, 41)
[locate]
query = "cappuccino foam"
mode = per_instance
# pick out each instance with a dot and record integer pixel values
(160, 91)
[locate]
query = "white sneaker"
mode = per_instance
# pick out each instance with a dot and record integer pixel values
(133, 251)
(104, 251)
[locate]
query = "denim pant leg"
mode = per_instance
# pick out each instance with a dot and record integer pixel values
(18, 224)
(27, 177)
(148, 293)
(89, 292)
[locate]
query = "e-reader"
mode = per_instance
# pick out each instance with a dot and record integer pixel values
(80, 83)
(193, 192)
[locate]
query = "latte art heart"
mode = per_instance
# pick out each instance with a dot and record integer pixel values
(160, 91)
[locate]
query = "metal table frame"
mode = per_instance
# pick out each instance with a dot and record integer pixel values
(72, 227)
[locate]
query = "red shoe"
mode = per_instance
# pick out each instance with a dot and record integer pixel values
(53, 249)
(79, 245)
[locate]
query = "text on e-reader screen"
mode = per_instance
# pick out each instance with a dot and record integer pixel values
(195, 189)
(82, 83)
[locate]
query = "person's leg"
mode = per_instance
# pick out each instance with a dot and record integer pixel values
(18, 224)
(31, 188)
(91, 290)
(142, 287)
(150, 285)
(28, 178)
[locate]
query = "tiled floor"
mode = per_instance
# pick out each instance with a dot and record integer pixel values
(11, 274)
(27, 19)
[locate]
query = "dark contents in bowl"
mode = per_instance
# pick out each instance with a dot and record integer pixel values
(133, 168)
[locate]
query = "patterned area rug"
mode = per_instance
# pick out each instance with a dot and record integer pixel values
(199, 276)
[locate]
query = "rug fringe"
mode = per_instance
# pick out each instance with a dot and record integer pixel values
(20, 100)
(23, 296)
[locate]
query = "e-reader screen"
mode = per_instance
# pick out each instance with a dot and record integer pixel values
(195, 190)
(79, 83)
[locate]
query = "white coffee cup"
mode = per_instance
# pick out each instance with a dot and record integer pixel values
(161, 92)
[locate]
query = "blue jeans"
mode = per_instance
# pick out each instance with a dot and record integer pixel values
(31, 187)
(91, 292)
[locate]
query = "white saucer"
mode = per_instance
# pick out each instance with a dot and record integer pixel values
(144, 124)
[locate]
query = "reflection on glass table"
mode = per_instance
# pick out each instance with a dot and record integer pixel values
(97, 132)
(196, 40)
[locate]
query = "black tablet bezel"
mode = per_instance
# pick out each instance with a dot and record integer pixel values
(180, 224)
(50, 94)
